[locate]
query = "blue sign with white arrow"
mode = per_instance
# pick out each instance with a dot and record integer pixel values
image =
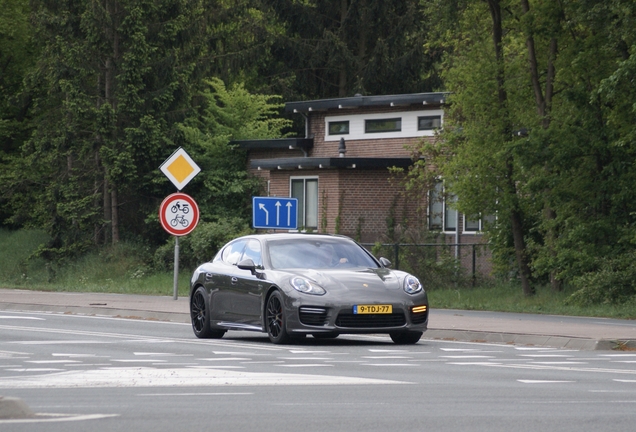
(275, 213)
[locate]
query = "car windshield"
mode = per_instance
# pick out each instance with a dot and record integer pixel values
(307, 253)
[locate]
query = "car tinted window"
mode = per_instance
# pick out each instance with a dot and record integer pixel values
(253, 252)
(233, 252)
(318, 254)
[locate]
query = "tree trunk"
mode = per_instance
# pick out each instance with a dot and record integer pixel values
(108, 214)
(342, 75)
(543, 103)
(516, 218)
(115, 216)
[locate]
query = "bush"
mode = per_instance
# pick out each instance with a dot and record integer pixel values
(613, 283)
(201, 245)
(18, 265)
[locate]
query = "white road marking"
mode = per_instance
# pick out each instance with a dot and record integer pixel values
(51, 361)
(226, 359)
(34, 370)
(543, 381)
(305, 358)
(195, 394)
(542, 355)
(466, 356)
(386, 357)
(551, 367)
(162, 354)
(60, 342)
(177, 377)
(21, 317)
(391, 364)
(305, 365)
(56, 418)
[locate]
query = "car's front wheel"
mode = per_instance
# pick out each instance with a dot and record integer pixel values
(276, 320)
(200, 316)
(406, 337)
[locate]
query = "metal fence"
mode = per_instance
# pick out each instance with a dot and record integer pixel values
(454, 262)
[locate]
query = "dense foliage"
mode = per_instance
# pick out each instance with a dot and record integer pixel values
(540, 131)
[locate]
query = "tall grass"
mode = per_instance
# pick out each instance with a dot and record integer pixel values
(508, 297)
(124, 268)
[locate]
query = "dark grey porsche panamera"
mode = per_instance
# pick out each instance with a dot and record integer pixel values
(292, 285)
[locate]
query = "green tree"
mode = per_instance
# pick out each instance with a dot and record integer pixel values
(540, 130)
(112, 83)
(224, 187)
(335, 48)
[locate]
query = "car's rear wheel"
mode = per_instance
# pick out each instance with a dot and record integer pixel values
(200, 316)
(276, 320)
(325, 335)
(406, 337)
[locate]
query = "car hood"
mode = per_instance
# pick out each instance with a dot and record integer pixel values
(352, 280)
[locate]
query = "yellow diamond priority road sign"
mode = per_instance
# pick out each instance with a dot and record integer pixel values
(180, 168)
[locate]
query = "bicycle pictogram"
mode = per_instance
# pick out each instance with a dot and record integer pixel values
(179, 219)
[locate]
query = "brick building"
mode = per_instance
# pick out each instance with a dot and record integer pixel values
(339, 171)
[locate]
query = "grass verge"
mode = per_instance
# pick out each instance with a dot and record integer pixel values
(126, 269)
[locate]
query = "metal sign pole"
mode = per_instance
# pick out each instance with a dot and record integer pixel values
(176, 268)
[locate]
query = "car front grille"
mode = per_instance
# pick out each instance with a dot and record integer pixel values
(349, 320)
(313, 316)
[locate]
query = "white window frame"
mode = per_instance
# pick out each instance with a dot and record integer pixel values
(302, 219)
(445, 211)
(409, 125)
(481, 226)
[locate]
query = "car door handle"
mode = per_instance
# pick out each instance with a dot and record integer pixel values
(234, 280)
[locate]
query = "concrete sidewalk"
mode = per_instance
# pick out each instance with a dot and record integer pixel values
(469, 326)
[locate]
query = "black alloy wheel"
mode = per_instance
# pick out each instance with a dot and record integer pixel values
(276, 320)
(406, 337)
(200, 316)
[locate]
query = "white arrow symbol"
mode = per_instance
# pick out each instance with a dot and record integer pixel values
(289, 206)
(278, 204)
(262, 207)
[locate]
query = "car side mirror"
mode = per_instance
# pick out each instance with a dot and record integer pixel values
(247, 264)
(385, 262)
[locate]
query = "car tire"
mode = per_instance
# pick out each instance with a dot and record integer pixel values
(406, 337)
(325, 335)
(200, 316)
(275, 319)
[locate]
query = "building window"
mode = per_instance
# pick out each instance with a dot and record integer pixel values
(383, 125)
(306, 191)
(441, 214)
(429, 122)
(476, 223)
(339, 127)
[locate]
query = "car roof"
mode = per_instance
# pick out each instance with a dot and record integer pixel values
(296, 235)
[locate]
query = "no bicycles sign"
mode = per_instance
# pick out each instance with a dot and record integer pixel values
(179, 214)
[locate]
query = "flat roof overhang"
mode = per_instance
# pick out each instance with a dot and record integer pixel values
(367, 101)
(329, 163)
(276, 143)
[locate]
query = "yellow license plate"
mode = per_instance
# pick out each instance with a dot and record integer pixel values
(372, 309)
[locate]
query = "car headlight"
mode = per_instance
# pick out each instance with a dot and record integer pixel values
(412, 285)
(306, 286)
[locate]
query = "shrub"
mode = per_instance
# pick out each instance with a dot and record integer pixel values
(201, 245)
(614, 282)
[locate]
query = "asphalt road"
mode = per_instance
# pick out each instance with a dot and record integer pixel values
(82, 373)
